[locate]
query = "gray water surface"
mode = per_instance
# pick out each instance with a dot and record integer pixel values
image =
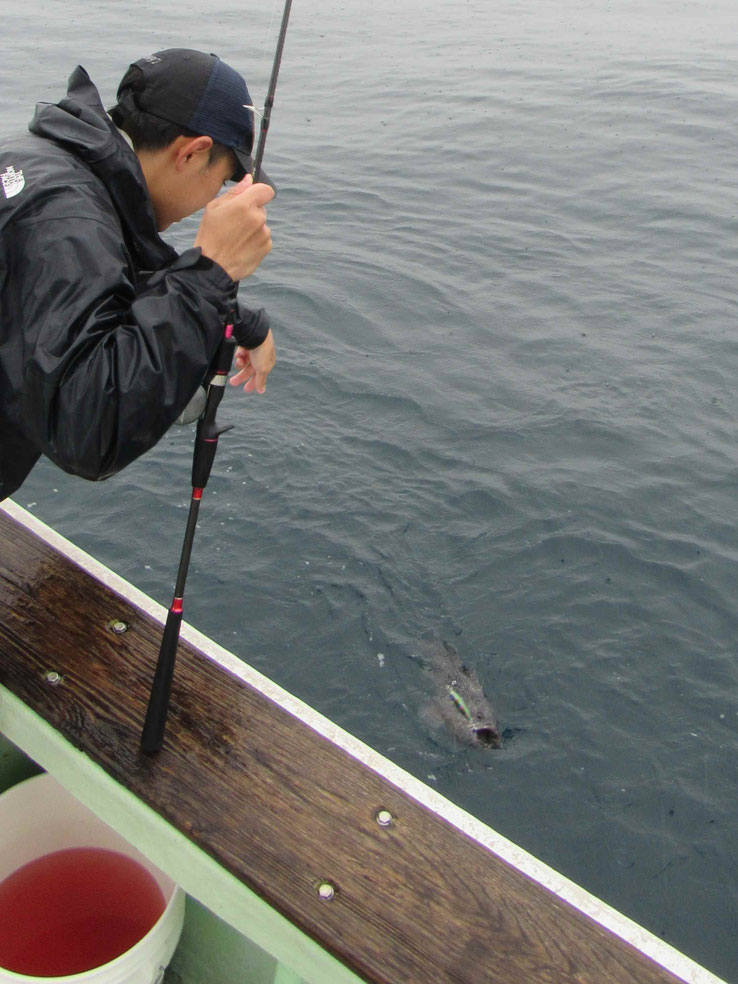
(503, 291)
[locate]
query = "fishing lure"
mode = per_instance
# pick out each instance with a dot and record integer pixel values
(460, 703)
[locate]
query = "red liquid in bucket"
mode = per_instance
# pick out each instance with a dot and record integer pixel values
(74, 910)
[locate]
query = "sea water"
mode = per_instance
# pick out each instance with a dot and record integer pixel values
(504, 413)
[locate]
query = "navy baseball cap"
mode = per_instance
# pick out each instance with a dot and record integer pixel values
(196, 91)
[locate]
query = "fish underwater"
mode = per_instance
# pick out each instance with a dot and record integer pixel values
(459, 702)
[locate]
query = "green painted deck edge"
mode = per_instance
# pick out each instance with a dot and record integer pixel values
(299, 958)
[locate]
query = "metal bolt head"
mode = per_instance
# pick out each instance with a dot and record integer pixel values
(53, 677)
(384, 818)
(326, 891)
(118, 626)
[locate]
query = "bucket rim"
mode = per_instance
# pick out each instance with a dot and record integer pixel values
(173, 912)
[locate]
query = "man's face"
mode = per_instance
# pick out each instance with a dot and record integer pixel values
(202, 184)
(186, 181)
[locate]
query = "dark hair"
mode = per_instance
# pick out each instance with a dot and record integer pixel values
(149, 132)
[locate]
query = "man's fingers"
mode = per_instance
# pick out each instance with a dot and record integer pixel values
(241, 377)
(245, 376)
(238, 189)
(255, 365)
(260, 193)
(251, 380)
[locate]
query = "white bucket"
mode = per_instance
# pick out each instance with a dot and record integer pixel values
(39, 817)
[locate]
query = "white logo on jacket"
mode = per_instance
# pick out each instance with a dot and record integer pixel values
(13, 181)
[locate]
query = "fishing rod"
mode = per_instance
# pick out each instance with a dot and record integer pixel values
(206, 445)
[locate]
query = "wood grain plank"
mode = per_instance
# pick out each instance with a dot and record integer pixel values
(282, 808)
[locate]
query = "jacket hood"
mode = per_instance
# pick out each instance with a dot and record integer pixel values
(78, 121)
(80, 124)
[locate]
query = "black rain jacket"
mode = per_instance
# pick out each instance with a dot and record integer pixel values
(105, 332)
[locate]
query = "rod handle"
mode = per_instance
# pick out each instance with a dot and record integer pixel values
(156, 713)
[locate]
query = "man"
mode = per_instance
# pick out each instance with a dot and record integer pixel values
(105, 332)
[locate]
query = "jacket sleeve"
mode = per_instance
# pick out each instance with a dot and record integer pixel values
(111, 359)
(250, 328)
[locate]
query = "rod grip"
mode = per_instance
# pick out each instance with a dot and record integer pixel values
(156, 713)
(208, 429)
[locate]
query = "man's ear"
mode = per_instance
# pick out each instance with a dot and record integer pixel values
(189, 150)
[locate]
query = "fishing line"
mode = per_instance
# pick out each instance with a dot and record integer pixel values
(269, 102)
(261, 50)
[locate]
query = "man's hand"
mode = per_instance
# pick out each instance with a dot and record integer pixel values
(233, 231)
(254, 365)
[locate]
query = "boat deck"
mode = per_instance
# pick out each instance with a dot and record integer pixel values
(283, 807)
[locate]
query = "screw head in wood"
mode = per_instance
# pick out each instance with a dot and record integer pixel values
(326, 891)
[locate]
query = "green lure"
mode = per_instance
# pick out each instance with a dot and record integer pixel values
(460, 703)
